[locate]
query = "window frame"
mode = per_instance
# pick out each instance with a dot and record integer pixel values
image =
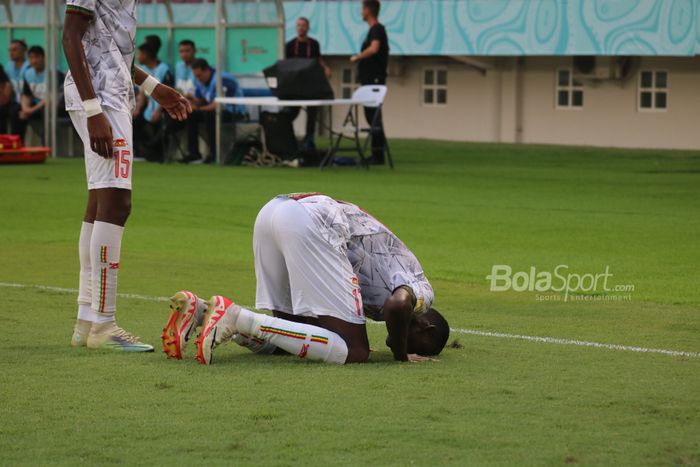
(435, 87)
(570, 88)
(653, 90)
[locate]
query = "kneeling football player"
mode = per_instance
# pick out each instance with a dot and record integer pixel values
(321, 265)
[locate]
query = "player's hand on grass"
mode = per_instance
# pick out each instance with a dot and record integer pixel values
(415, 358)
(177, 106)
(100, 135)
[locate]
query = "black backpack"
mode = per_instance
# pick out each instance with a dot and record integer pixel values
(278, 135)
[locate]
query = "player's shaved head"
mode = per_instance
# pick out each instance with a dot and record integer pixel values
(428, 334)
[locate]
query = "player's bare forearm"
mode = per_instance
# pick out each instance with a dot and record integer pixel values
(74, 28)
(397, 311)
(177, 106)
(139, 76)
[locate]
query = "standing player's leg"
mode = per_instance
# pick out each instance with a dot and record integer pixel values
(109, 184)
(113, 209)
(85, 314)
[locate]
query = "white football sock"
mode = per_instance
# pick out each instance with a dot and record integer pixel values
(304, 340)
(84, 289)
(105, 247)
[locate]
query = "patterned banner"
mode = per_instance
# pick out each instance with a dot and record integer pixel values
(510, 27)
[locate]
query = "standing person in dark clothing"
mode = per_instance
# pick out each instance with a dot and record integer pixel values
(6, 98)
(371, 66)
(304, 46)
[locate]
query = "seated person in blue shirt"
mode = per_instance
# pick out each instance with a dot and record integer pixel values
(184, 78)
(148, 115)
(14, 69)
(204, 108)
(33, 98)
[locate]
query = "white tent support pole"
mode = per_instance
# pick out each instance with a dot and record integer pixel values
(170, 26)
(50, 78)
(8, 30)
(280, 28)
(53, 74)
(220, 41)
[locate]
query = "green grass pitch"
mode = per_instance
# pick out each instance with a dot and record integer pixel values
(462, 208)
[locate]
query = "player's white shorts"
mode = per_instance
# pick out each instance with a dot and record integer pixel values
(297, 270)
(101, 172)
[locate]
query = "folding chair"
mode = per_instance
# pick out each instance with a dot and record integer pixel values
(373, 97)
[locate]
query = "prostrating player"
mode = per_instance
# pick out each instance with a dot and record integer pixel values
(98, 39)
(320, 265)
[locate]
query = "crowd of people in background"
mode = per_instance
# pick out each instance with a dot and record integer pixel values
(23, 97)
(23, 90)
(196, 80)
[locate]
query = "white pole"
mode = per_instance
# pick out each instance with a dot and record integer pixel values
(220, 40)
(53, 74)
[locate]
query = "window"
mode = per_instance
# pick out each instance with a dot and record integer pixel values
(348, 82)
(568, 91)
(653, 90)
(434, 88)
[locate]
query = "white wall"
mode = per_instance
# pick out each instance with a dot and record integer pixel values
(516, 103)
(609, 116)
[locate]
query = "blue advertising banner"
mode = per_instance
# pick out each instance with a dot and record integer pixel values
(510, 27)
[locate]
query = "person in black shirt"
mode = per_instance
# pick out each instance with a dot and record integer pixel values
(6, 95)
(304, 46)
(371, 68)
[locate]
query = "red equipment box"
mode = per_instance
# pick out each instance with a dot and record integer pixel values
(12, 151)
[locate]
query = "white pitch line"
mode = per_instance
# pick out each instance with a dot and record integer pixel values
(49, 288)
(599, 345)
(473, 332)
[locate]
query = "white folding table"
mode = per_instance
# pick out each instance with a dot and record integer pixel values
(353, 123)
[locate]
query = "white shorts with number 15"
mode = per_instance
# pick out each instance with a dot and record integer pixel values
(298, 271)
(114, 172)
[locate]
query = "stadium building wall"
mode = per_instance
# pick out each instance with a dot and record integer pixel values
(513, 100)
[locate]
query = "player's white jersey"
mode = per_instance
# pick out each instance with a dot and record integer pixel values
(381, 261)
(109, 48)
